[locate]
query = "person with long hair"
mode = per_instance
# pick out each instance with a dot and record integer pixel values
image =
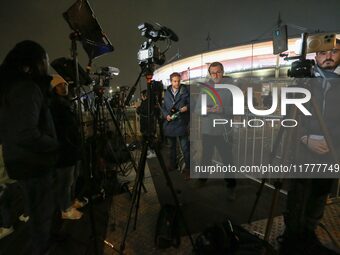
(28, 135)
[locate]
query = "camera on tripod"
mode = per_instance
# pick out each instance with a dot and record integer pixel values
(149, 53)
(108, 72)
(303, 68)
(105, 74)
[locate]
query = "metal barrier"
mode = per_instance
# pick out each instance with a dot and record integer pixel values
(255, 144)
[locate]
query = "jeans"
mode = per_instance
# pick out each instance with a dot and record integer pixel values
(185, 146)
(76, 174)
(65, 179)
(39, 200)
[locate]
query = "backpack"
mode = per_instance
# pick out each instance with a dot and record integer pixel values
(217, 239)
(228, 239)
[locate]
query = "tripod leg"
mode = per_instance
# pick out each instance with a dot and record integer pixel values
(127, 123)
(272, 156)
(258, 195)
(115, 122)
(138, 182)
(173, 192)
(139, 189)
(278, 185)
(269, 225)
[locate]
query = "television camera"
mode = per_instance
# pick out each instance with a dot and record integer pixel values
(149, 53)
(105, 74)
(302, 67)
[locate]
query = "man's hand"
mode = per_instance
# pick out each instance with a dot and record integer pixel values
(318, 146)
(168, 118)
(183, 109)
(136, 104)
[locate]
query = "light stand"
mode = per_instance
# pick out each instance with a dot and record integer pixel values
(86, 29)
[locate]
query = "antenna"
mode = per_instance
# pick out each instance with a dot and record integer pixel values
(208, 39)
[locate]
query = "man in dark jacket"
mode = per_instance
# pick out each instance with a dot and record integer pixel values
(157, 96)
(28, 135)
(307, 197)
(176, 120)
(147, 120)
(219, 137)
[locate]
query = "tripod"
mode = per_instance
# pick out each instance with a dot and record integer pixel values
(302, 68)
(91, 165)
(149, 142)
(98, 117)
(120, 137)
(288, 143)
(74, 37)
(125, 124)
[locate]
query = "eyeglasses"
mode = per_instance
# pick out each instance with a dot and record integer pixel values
(218, 72)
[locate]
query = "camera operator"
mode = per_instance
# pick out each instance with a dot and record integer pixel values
(307, 197)
(28, 135)
(146, 128)
(176, 124)
(157, 92)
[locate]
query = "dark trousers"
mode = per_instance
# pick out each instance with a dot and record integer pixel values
(305, 206)
(76, 173)
(39, 200)
(65, 180)
(161, 131)
(185, 146)
(225, 150)
(7, 197)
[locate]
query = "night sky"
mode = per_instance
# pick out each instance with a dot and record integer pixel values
(228, 22)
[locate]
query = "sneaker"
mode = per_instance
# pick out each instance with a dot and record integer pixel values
(151, 154)
(5, 232)
(71, 214)
(80, 204)
(24, 218)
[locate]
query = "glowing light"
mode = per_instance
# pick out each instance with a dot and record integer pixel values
(234, 59)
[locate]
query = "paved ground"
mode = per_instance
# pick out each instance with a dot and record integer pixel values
(212, 199)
